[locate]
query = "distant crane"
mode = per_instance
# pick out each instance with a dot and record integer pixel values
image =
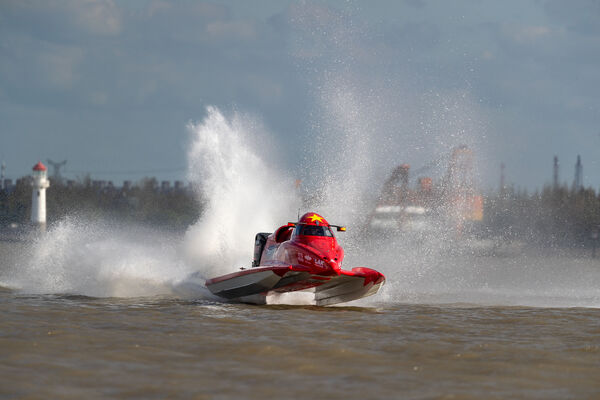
(455, 201)
(460, 190)
(56, 169)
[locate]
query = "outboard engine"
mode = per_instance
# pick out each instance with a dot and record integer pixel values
(259, 244)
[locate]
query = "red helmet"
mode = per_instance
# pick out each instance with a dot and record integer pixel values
(312, 218)
(312, 224)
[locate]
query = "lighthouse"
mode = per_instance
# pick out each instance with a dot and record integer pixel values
(38, 197)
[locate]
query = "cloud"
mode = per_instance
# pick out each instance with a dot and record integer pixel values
(99, 17)
(488, 55)
(185, 22)
(580, 16)
(241, 30)
(27, 63)
(59, 65)
(532, 63)
(526, 34)
(62, 20)
(268, 90)
(199, 11)
(98, 98)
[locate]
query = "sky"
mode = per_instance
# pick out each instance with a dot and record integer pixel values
(111, 86)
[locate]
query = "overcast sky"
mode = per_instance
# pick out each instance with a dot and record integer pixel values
(110, 86)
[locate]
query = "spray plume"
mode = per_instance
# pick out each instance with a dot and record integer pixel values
(242, 194)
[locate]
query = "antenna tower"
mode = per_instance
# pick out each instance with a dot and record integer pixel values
(56, 166)
(578, 183)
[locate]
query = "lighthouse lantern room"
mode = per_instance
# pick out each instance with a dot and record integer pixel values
(38, 198)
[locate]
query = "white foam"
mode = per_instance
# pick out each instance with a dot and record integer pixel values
(243, 193)
(96, 258)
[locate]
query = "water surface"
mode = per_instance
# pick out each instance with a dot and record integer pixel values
(449, 330)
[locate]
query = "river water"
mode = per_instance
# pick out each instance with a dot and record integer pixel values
(518, 326)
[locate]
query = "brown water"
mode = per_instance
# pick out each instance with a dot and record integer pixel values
(410, 341)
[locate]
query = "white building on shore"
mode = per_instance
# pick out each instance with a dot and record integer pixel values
(38, 197)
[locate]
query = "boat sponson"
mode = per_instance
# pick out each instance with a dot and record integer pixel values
(350, 285)
(247, 282)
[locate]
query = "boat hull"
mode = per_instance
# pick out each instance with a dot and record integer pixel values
(255, 285)
(301, 256)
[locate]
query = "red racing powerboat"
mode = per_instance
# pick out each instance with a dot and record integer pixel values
(301, 256)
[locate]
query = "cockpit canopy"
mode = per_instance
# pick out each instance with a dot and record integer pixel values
(312, 230)
(312, 224)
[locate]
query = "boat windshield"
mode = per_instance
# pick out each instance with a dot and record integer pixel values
(313, 230)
